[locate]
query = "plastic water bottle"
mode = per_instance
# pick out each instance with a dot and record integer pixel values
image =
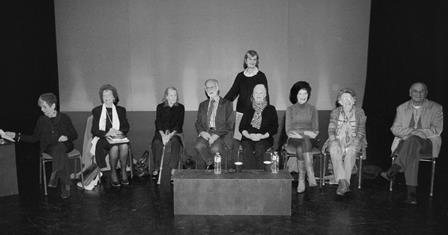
(274, 160)
(217, 165)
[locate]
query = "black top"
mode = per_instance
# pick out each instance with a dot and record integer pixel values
(243, 87)
(269, 122)
(169, 118)
(48, 130)
(121, 112)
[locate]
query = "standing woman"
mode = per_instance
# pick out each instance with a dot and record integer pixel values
(56, 133)
(169, 122)
(110, 122)
(244, 84)
(302, 126)
(346, 136)
(258, 125)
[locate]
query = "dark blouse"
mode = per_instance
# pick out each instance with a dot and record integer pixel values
(169, 118)
(121, 112)
(48, 130)
(243, 87)
(269, 122)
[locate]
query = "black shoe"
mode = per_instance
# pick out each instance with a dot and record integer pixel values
(155, 175)
(65, 191)
(115, 184)
(411, 200)
(125, 182)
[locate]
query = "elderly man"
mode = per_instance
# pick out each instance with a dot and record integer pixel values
(417, 128)
(213, 122)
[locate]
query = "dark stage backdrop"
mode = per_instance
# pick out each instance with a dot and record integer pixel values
(407, 43)
(30, 69)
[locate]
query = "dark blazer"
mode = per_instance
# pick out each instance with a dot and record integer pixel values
(223, 119)
(96, 112)
(269, 122)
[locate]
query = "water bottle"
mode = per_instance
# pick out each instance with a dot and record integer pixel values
(274, 160)
(217, 165)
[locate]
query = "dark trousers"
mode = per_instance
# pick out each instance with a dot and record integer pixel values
(101, 151)
(408, 156)
(61, 163)
(254, 153)
(172, 152)
(206, 152)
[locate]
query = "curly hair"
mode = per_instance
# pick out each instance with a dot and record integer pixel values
(344, 91)
(108, 87)
(296, 88)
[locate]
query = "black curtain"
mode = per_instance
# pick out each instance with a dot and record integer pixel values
(407, 43)
(30, 69)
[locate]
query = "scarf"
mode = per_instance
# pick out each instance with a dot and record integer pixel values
(115, 121)
(102, 125)
(256, 119)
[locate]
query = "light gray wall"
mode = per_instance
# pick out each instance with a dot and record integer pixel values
(143, 46)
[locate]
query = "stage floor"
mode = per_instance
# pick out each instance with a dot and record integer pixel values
(144, 208)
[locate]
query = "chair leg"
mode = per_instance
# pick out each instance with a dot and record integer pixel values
(433, 171)
(321, 170)
(324, 166)
(40, 171)
(391, 182)
(44, 176)
(360, 173)
(80, 167)
(131, 162)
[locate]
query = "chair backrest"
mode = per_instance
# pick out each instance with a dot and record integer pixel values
(87, 144)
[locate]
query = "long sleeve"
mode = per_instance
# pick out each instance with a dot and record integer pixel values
(273, 121)
(124, 124)
(361, 130)
(180, 119)
(37, 133)
(288, 120)
(234, 90)
(158, 121)
(68, 128)
(96, 112)
(333, 123)
(199, 123)
(435, 122)
(228, 110)
(399, 127)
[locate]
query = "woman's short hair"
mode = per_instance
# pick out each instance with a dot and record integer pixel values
(251, 53)
(165, 94)
(48, 98)
(108, 87)
(348, 91)
(265, 90)
(296, 88)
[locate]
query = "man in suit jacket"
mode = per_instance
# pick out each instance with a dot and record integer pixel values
(417, 128)
(213, 122)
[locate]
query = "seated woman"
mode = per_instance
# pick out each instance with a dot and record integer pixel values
(302, 126)
(169, 122)
(56, 133)
(346, 133)
(258, 125)
(110, 122)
